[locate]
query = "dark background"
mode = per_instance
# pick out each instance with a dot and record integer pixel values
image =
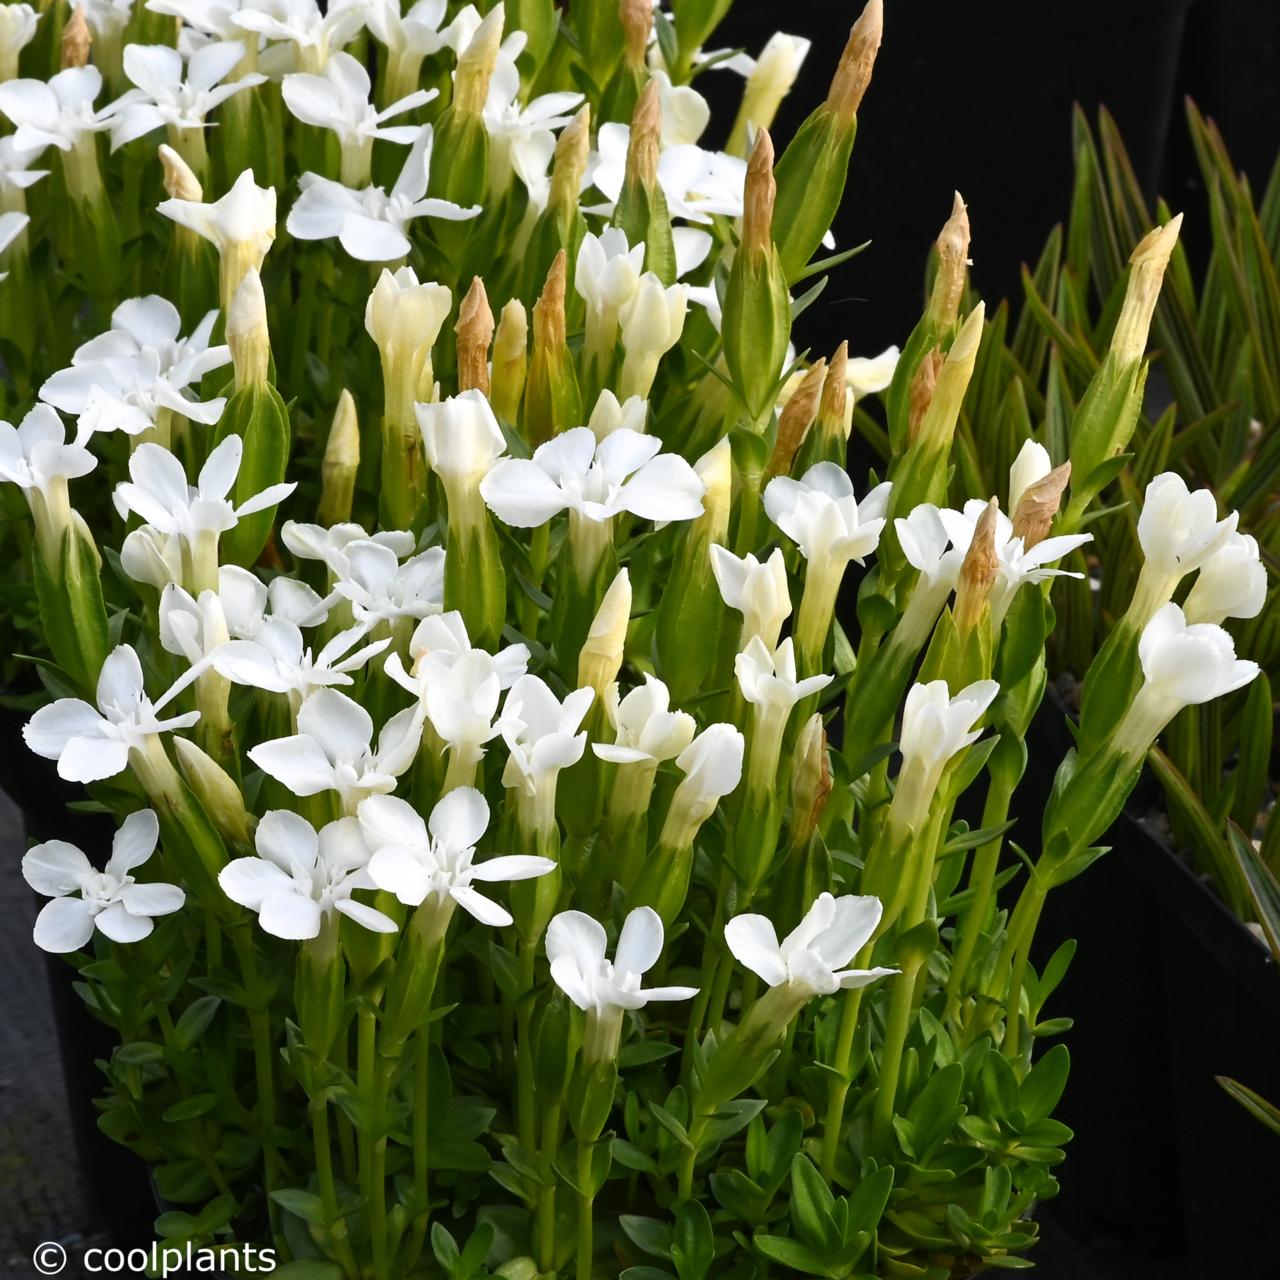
(978, 97)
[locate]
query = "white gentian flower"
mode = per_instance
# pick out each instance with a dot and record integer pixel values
(107, 19)
(926, 545)
(151, 557)
(197, 514)
(652, 321)
(329, 546)
(1017, 565)
(606, 277)
(418, 860)
(206, 20)
(16, 175)
(1178, 530)
(1232, 583)
(370, 224)
(757, 591)
(60, 113)
(242, 224)
(595, 482)
(542, 736)
(712, 768)
(768, 681)
(442, 641)
(249, 603)
(333, 750)
(577, 949)
(338, 99)
(91, 744)
(1030, 466)
(935, 728)
(409, 38)
(300, 876)
(279, 660)
(17, 29)
(769, 80)
(123, 379)
(610, 415)
(404, 318)
(1182, 665)
(315, 32)
(110, 901)
(381, 589)
(463, 441)
(36, 457)
(810, 960)
(162, 98)
(646, 730)
(685, 112)
(191, 628)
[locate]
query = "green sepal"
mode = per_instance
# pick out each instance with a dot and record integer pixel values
(811, 177)
(72, 613)
(257, 414)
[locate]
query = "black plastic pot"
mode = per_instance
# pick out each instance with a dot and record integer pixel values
(970, 97)
(1168, 990)
(115, 1180)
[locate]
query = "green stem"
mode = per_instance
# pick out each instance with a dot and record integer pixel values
(585, 1203)
(895, 1039)
(1022, 951)
(421, 1151)
(526, 1115)
(373, 1151)
(328, 1189)
(546, 1214)
(838, 1089)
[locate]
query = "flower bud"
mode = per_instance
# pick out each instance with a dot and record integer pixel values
(796, 418)
(1030, 466)
(768, 84)
(652, 322)
(247, 333)
(645, 141)
(637, 27)
(978, 571)
(570, 162)
(810, 780)
(600, 658)
(853, 73)
(642, 207)
(1232, 583)
(476, 65)
(715, 470)
(77, 40)
(1148, 262)
(920, 396)
(953, 260)
(552, 401)
(1038, 504)
(474, 331)
(341, 462)
(510, 358)
(217, 793)
(179, 181)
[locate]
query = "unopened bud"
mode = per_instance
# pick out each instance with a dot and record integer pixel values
(794, 421)
(920, 394)
(552, 400)
(474, 331)
(570, 163)
(1037, 506)
(859, 56)
(600, 658)
(938, 422)
(77, 40)
(767, 85)
(760, 193)
(979, 571)
(810, 781)
(217, 792)
(247, 334)
(646, 138)
(510, 359)
(953, 261)
(1148, 264)
(476, 64)
(179, 181)
(715, 470)
(341, 462)
(636, 17)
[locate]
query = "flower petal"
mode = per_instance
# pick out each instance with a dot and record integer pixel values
(63, 925)
(55, 868)
(119, 924)
(134, 842)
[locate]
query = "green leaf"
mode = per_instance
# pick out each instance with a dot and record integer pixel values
(811, 1202)
(648, 1235)
(194, 1021)
(1041, 1091)
(1252, 1102)
(199, 1104)
(791, 1253)
(302, 1204)
(693, 1245)
(1261, 883)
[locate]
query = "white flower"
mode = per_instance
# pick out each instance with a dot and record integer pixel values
(769, 80)
(1232, 583)
(246, 600)
(416, 32)
(17, 29)
(316, 33)
(107, 19)
(279, 660)
(757, 591)
(15, 175)
(1183, 665)
(315, 542)
(58, 113)
(610, 415)
(768, 681)
(652, 321)
(162, 98)
(595, 481)
(603, 989)
(405, 318)
(36, 457)
(300, 876)
(381, 589)
(462, 440)
(1030, 466)
(110, 900)
(338, 99)
(685, 112)
(823, 518)
(416, 860)
(1179, 530)
(712, 767)
(197, 514)
(90, 743)
(542, 736)
(122, 379)
(1017, 565)
(333, 750)
(647, 731)
(810, 960)
(204, 18)
(370, 224)
(191, 628)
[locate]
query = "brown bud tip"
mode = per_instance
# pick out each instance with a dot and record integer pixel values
(835, 393)
(549, 329)
(572, 149)
(760, 193)
(953, 259)
(1033, 517)
(475, 331)
(859, 56)
(77, 40)
(920, 394)
(795, 420)
(978, 573)
(646, 137)
(179, 181)
(636, 17)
